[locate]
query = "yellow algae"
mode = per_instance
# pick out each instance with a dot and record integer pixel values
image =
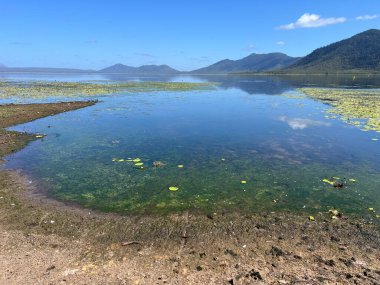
(43, 89)
(136, 160)
(180, 166)
(311, 218)
(243, 182)
(173, 188)
(357, 107)
(139, 164)
(328, 181)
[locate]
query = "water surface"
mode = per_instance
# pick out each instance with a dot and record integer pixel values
(249, 129)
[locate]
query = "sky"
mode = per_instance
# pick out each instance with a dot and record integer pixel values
(185, 34)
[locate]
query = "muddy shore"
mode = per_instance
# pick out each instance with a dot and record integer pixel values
(46, 242)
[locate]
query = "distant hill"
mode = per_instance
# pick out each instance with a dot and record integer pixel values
(252, 63)
(42, 70)
(142, 70)
(360, 52)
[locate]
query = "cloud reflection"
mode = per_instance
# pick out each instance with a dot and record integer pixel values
(300, 124)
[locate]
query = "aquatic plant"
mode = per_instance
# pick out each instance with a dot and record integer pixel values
(357, 107)
(44, 89)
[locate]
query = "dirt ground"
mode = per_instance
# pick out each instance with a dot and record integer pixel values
(43, 241)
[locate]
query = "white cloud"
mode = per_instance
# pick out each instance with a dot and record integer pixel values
(367, 17)
(280, 43)
(312, 21)
(300, 124)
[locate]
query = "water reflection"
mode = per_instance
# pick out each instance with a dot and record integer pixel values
(281, 144)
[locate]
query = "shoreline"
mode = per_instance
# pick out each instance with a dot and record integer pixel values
(185, 248)
(46, 241)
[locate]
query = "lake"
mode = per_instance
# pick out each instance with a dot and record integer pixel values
(251, 144)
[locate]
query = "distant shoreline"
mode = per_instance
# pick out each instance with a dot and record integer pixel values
(356, 73)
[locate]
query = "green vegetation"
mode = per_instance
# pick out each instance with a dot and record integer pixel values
(359, 108)
(360, 53)
(43, 89)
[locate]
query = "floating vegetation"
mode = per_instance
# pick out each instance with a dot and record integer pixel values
(336, 182)
(328, 181)
(357, 107)
(44, 89)
(295, 96)
(173, 188)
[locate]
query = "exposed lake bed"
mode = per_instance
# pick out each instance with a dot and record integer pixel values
(244, 180)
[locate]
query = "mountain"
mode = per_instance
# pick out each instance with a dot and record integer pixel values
(42, 70)
(142, 70)
(360, 52)
(117, 68)
(252, 63)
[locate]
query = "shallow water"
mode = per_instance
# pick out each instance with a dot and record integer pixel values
(249, 129)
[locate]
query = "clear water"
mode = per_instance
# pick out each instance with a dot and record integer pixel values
(247, 130)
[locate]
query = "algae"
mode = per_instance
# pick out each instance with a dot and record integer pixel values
(357, 107)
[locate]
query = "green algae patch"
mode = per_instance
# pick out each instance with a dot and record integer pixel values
(173, 188)
(43, 89)
(357, 107)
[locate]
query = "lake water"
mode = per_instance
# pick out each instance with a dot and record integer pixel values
(249, 145)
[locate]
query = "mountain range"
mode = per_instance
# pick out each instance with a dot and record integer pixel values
(144, 69)
(358, 53)
(252, 63)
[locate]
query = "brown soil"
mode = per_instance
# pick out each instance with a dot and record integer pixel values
(46, 242)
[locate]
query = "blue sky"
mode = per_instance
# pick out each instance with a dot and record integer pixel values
(183, 34)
